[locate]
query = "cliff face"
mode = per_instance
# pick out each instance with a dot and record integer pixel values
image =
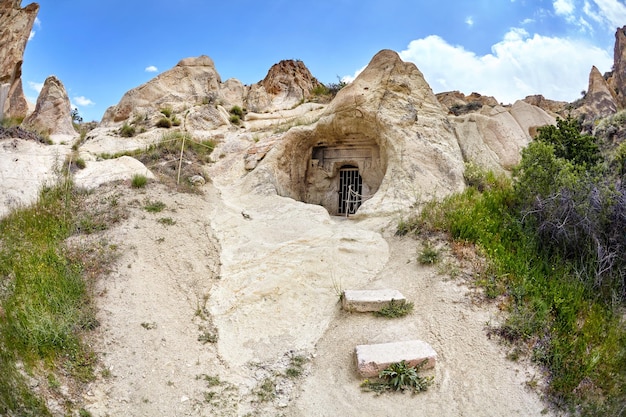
(16, 24)
(617, 81)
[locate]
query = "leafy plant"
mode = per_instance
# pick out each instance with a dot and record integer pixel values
(399, 376)
(395, 309)
(167, 221)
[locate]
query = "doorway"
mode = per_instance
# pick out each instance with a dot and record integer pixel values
(350, 189)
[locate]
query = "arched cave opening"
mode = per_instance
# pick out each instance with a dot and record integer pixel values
(340, 175)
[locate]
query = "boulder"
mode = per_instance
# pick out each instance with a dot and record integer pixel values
(16, 24)
(551, 107)
(97, 173)
(53, 111)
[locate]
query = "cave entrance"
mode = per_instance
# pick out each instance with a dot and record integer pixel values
(350, 189)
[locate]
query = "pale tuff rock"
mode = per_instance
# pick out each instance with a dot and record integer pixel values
(371, 359)
(16, 24)
(192, 82)
(52, 113)
(494, 137)
(388, 124)
(552, 107)
(97, 173)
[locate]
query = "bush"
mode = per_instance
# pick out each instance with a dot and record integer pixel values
(167, 112)
(234, 119)
(138, 181)
(127, 131)
(399, 377)
(164, 122)
(80, 163)
(237, 111)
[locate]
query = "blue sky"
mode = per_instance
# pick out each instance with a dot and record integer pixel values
(505, 48)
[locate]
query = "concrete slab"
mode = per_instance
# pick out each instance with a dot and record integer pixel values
(369, 300)
(371, 359)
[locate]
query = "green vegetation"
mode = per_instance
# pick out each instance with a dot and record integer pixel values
(154, 206)
(428, 255)
(45, 300)
(395, 309)
(127, 131)
(296, 366)
(164, 122)
(399, 377)
(555, 249)
(138, 181)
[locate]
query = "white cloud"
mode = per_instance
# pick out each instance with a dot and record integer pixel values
(37, 24)
(35, 86)
(469, 21)
(517, 66)
(151, 68)
(564, 7)
(83, 101)
(612, 12)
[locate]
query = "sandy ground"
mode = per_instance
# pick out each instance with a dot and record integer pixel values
(204, 317)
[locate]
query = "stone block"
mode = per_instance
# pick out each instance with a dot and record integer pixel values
(369, 300)
(371, 359)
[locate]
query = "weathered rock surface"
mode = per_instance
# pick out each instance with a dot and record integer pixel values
(494, 137)
(389, 124)
(192, 82)
(286, 84)
(52, 113)
(16, 24)
(551, 107)
(457, 102)
(25, 166)
(97, 173)
(617, 79)
(599, 101)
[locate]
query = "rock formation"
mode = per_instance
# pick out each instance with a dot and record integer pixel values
(286, 84)
(52, 113)
(457, 102)
(617, 79)
(494, 137)
(599, 100)
(16, 24)
(387, 126)
(193, 82)
(552, 107)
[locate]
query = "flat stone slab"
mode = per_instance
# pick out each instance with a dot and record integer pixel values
(369, 300)
(371, 359)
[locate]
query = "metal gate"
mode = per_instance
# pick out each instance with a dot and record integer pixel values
(350, 190)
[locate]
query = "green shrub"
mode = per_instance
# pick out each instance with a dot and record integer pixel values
(428, 255)
(164, 122)
(237, 111)
(167, 112)
(154, 206)
(127, 131)
(175, 121)
(138, 181)
(80, 163)
(234, 119)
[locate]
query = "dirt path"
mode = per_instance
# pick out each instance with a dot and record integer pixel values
(206, 316)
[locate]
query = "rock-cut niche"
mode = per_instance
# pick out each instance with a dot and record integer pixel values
(342, 175)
